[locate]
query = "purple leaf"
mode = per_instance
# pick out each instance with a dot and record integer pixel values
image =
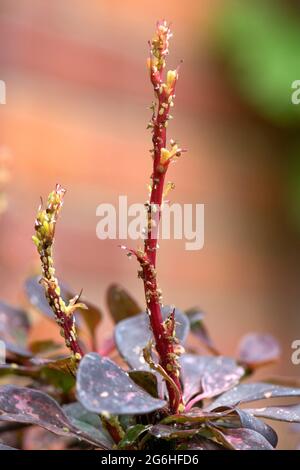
(243, 419)
(197, 415)
(36, 295)
(37, 438)
(25, 405)
(244, 393)
(258, 349)
(241, 439)
(91, 316)
(208, 375)
(103, 387)
(14, 328)
(88, 422)
(162, 431)
(133, 334)
(232, 418)
(120, 303)
(199, 443)
(4, 447)
(224, 416)
(295, 427)
(290, 413)
(75, 410)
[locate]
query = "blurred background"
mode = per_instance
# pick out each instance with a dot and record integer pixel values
(76, 113)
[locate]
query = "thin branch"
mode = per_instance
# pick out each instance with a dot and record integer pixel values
(45, 225)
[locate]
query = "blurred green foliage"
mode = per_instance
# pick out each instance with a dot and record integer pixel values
(260, 41)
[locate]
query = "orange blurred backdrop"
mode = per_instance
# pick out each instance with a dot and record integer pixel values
(76, 113)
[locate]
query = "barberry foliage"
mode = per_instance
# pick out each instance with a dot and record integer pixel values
(158, 392)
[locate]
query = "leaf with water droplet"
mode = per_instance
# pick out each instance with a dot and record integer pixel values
(162, 431)
(256, 349)
(4, 447)
(88, 422)
(239, 418)
(241, 439)
(25, 405)
(208, 375)
(289, 413)
(14, 329)
(244, 393)
(103, 387)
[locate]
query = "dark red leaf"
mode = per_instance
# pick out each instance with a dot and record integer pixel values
(4, 447)
(103, 387)
(76, 411)
(14, 328)
(36, 295)
(257, 349)
(120, 303)
(231, 418)
(25, 405)
(91, 316)
(208, 375)
(196, 415)
(244, 393)
(224, 417)
(36, 438)
(290, 413)
(241, 439)
(162, 431)
(242, 419)
(199, 443)
(88, 422)
(133, 334)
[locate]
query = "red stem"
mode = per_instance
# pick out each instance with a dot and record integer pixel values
(66, 322)
(163, 342)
